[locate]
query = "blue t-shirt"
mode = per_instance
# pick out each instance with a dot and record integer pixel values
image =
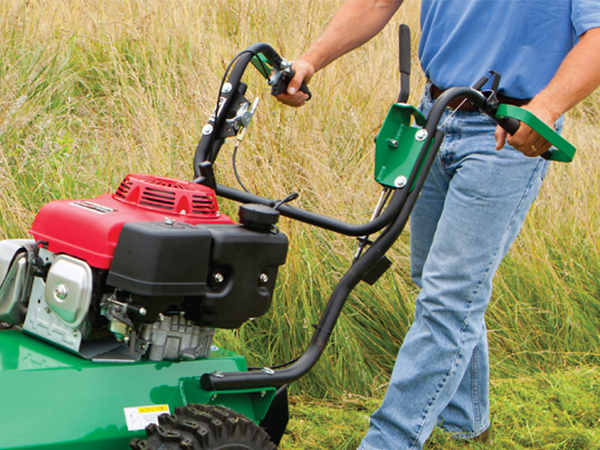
(524, 40)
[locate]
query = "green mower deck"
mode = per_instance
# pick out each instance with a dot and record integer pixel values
(52, 399)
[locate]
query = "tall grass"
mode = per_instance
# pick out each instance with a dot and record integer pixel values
(91, 91)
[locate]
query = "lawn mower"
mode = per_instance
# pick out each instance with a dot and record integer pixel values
(107, 314)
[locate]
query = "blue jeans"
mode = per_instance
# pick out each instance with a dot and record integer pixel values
(471, 209)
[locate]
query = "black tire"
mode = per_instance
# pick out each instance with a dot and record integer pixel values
(204, 427)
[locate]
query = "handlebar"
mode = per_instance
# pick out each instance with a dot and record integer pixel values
(563, 150)
(509, 117)
(262, 56)
(393, 219)
(273, 67)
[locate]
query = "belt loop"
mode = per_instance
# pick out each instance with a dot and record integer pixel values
(428, 87)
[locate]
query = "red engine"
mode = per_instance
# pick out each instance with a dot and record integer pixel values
(90, 229)
(149, 270)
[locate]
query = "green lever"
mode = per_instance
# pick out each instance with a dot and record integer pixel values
(262, 65)
(563, 151)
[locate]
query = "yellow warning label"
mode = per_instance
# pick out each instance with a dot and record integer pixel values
(153, 409)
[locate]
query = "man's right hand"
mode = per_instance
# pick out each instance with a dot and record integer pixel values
(294, 97)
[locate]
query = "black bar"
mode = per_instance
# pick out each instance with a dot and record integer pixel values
(319, 220)
(404, 41)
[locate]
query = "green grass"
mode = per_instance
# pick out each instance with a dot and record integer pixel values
(558, 411)
(93, 91)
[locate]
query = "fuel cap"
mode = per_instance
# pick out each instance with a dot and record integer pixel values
(258, 217)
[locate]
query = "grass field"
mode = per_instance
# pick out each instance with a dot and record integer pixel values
(92, 91)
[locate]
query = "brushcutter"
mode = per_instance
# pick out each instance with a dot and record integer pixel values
(108, 313)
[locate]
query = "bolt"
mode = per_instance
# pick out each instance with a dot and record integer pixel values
(169, 221)
(268, 371)
(263, 278)
(263, 393)
(227, 88)
(400, 181)
(61, 291)
(47, 310)
(161, 317)
(75, 332)
(218, 278)
(143, 311)
(218, 374)
(393, 143)
(421, 135)
(207, 129)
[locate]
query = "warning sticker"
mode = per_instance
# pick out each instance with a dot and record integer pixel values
(139, 417)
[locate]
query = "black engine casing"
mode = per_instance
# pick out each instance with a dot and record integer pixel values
(219, 275)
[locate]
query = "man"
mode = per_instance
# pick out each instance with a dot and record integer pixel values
(478, 191)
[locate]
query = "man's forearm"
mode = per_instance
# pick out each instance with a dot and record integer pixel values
(356, 22)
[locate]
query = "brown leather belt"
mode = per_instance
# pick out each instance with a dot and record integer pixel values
(467, 106)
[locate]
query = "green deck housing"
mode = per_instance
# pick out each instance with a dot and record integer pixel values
(52, 399)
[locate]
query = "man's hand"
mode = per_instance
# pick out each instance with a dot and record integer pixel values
(294, 97)
(526, 140)
(355, 23)
(577, 77)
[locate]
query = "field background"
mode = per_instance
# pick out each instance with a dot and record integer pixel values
(91, 91)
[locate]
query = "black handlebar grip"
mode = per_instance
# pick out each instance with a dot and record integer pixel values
(510, 125)
(404, 39)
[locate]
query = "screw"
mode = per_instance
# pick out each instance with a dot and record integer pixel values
(421, 135)
(207, 129)
(263, 278)
(143, 311)
(61, 291)
(268, 371)
(227, 88)
(400, 181)
(218, 278)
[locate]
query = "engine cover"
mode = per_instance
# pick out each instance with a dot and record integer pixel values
(219, 275)
(90, 229)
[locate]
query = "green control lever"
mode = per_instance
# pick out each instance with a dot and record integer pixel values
(563, 150)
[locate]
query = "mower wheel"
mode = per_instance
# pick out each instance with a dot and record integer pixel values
(204, 427)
